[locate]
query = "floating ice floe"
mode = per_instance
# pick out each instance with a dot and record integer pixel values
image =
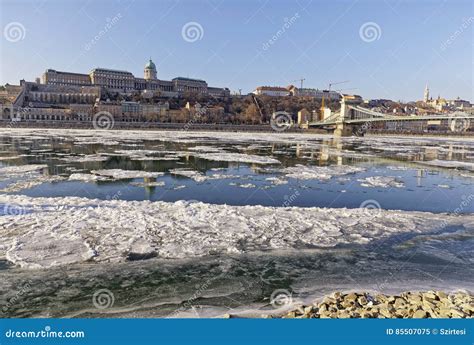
(9, 158)
(119, 174)
(148, 155)
(381, 181)
(21, 169)
(276, 180)
(192, 174)
(33, 181)
(87, 177)
(237, 157)
(449, 164)
(205, 149)
(148, 184)
(154, 158)
(305, 172)
(137, 152)
(61, 231)
(198, 176)
(85, 158)
(242, 185)
(98, 142)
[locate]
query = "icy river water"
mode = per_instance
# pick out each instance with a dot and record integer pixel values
(189, 224)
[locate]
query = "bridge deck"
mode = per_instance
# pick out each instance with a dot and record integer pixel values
(387, 118)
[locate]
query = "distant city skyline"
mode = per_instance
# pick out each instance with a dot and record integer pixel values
(384, 49)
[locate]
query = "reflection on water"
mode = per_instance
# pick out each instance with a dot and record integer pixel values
(424, 188)
(390, 174)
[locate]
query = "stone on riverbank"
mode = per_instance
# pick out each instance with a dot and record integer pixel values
(430, 304)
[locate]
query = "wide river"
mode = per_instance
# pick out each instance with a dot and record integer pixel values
(178, 224)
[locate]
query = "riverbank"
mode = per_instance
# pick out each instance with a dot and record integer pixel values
(211, 127)
(428, 304)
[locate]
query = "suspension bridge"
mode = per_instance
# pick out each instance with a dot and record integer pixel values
(353, 119)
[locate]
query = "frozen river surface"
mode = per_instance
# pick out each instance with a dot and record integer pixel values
(193, 223)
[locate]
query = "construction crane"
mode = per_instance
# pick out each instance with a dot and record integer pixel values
(329, 95)
(301, 81)
(337, 83)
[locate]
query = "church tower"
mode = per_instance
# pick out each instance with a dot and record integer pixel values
(150, 71)
(426, 96)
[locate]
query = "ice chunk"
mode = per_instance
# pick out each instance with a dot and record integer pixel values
(119, 174)
(198, 176)
(305, 172)
(205, 149)
(148, 184)
(59, 231)
(87, 177)
(192, 174)
(381, 181)
(22, 169)
(243, 185)
(86, 158)
(238, 157)
(276, 180)
(449, 164)
(32, 181)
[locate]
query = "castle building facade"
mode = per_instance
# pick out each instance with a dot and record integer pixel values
(126, 82)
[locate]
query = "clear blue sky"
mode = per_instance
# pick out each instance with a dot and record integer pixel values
(322, 43)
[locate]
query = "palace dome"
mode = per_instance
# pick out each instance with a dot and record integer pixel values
(150, 65)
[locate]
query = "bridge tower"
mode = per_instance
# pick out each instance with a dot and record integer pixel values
(342, 129)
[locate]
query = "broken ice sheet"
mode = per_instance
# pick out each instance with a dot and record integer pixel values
(60, 231)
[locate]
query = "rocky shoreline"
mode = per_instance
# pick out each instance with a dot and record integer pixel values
(429, 304)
